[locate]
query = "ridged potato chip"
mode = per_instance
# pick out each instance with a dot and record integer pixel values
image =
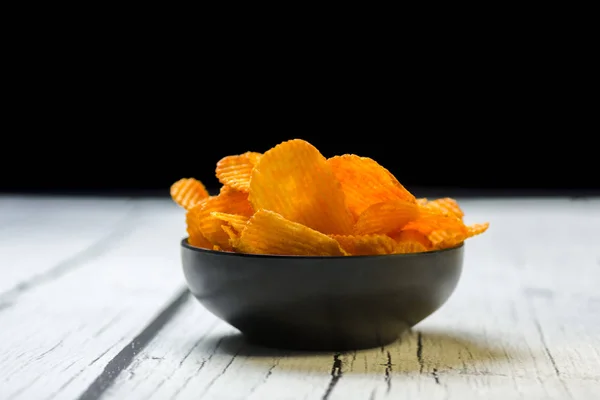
(195, 236)
(270, 233)
(407, 246)
(291, 200)
(362, 245)
(443, 231)
(227, 189)
(365, 182)
(229, 202)
(234, 236)
(444, 239)
(407, 238)
(477, 229)
(444, 206)
(236, 171)
(236, 222)
(294, 179)
(386, 217)
(187, 192)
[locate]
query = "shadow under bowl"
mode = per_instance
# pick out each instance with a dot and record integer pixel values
(321, 303)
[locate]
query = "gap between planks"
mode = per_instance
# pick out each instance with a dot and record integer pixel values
(25, 359)
(124, 357)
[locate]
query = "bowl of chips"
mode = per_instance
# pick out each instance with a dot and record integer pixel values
(301, 251)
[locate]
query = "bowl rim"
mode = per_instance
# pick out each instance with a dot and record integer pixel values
(185, 244)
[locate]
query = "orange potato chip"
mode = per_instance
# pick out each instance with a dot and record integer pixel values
(270, 233)
(409, 246)
(187, 192)
(429, 223)
(365, 182)
(444, 206)
(234, 237)
(229, 202)
(477, 229)
(235, 171)
(295, 180)
(443, 231)
(386, 217)
(407, 239)
(291, 200)
(362, 245)
(236, 222)
(195, 236)
(443, 239)
(227, 189)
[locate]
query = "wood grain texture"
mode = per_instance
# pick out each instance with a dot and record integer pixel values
(40, 241)
(59, 333)
(524, 322)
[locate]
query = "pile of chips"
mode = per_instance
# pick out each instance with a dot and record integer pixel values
(291, 200)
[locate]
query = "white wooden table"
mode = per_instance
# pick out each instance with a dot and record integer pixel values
(93, 305)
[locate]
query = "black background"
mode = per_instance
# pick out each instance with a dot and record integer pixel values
(102, 127)
(143, 164)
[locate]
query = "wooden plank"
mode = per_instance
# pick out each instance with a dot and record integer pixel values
(523, 323)
(42, 239)
(58, 337)
(14, 209)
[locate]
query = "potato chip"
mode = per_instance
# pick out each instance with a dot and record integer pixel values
(407, 239)
(429, 223)
(227, 189)
(408, 246)
(229, 202)
(362, 245)
(386, 217)
(291, 200)
(195, 236)
(234, 237)
(235, 171)
(444, 206)
(443, 231)
(270, 233)
(295, 180)
(444, 239)
(477, 229)
(366, 183)
(187, 192)
(236, 222)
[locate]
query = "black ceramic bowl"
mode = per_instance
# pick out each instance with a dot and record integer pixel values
(321, 303)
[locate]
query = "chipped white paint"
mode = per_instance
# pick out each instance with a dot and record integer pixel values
(524, 322)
